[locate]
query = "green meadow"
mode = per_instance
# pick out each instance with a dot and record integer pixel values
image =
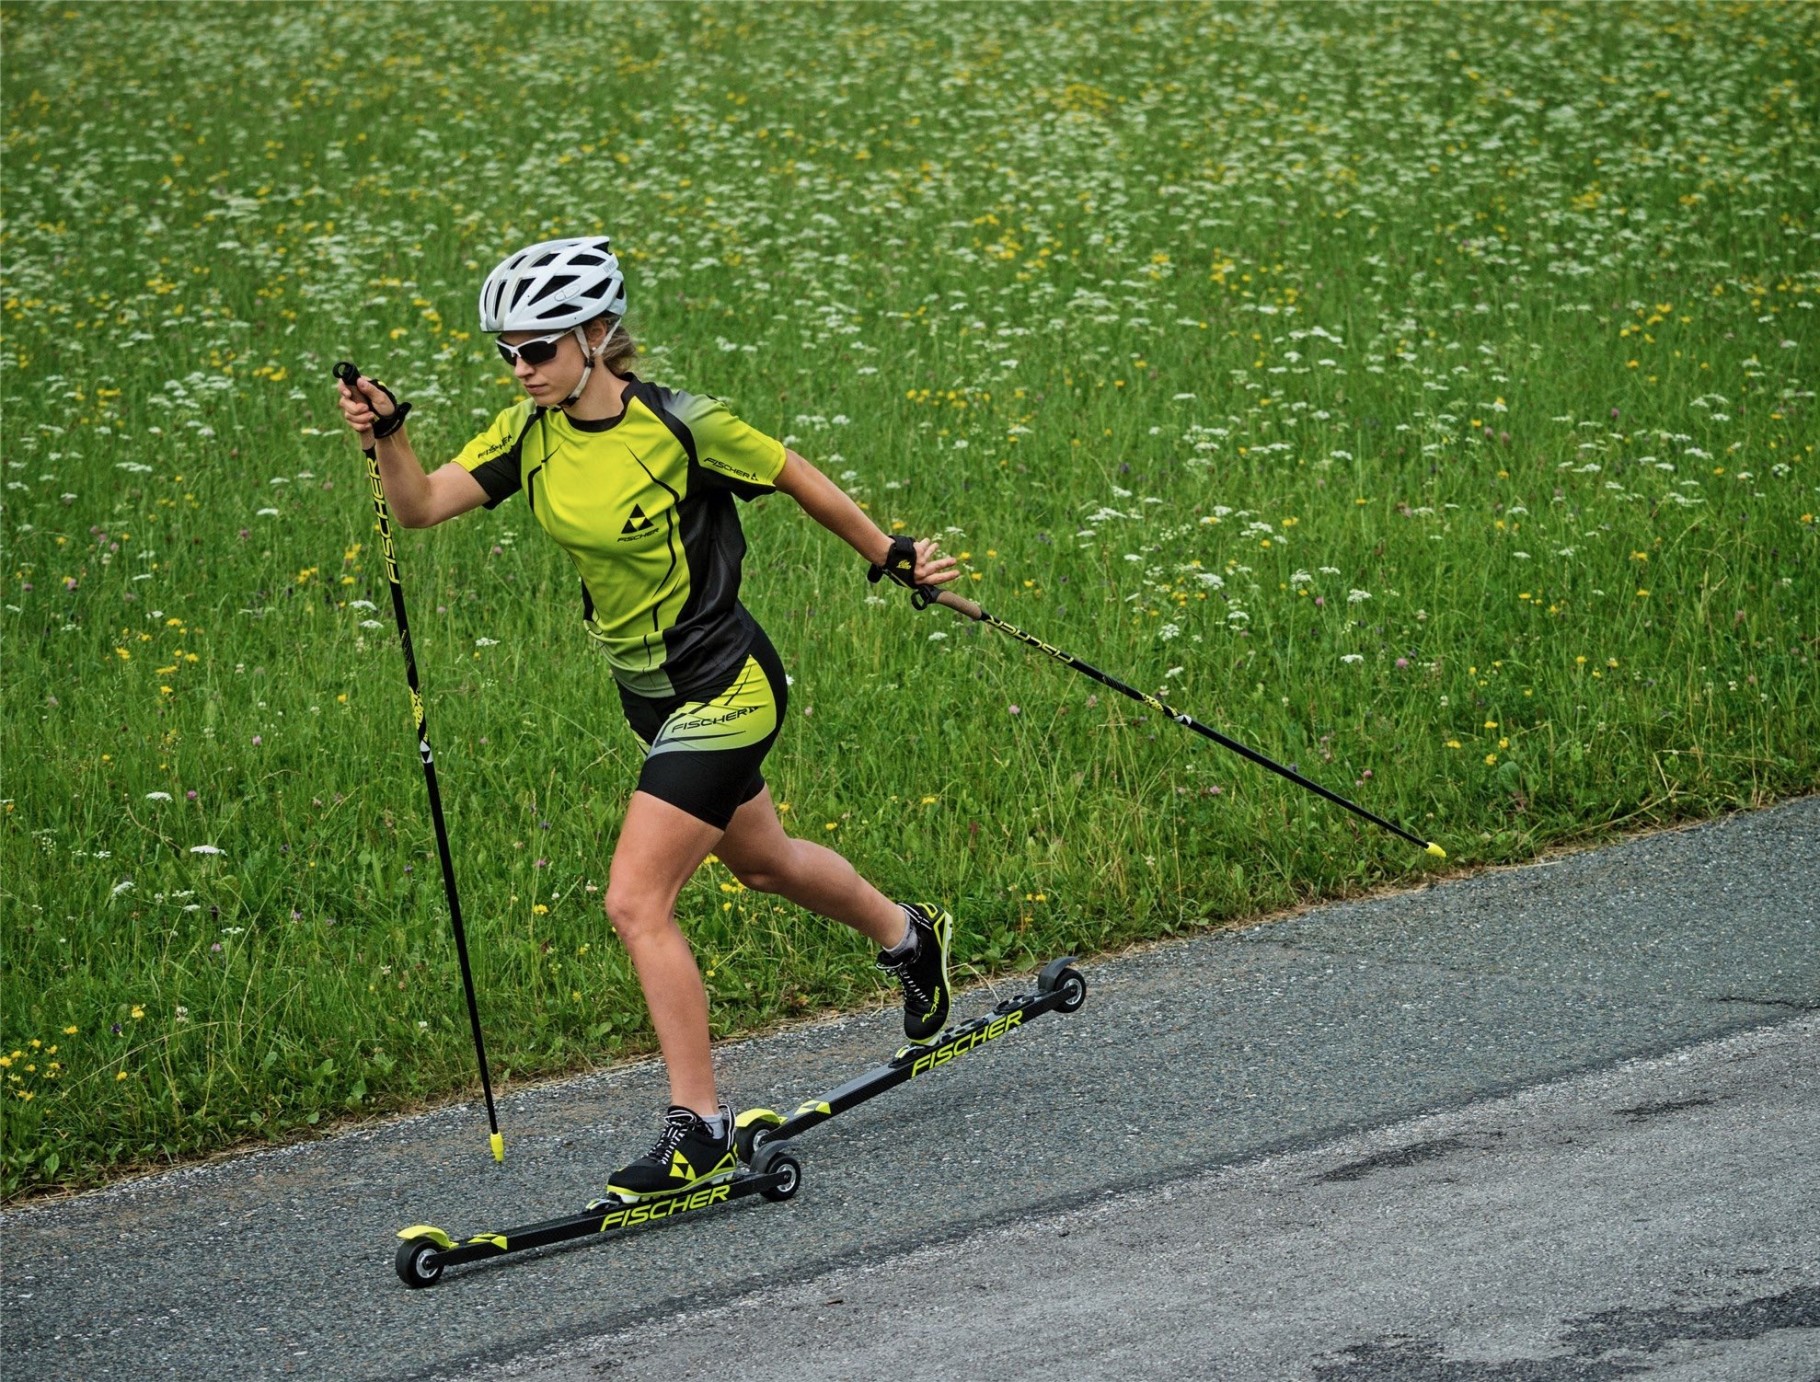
(1422, 395)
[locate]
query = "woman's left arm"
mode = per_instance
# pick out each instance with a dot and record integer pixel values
(829, 505)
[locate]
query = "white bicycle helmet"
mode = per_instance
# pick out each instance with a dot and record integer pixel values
(555, 284)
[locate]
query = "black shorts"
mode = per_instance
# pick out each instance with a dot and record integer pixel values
(703, 753)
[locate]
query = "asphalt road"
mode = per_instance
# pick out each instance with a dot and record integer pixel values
(1232, 1051)
(1662, 1219)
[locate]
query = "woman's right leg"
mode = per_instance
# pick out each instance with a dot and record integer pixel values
(660, 847)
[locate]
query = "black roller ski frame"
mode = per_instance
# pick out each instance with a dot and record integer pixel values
(426, 1249)
(761, 1138)
(1059, 988)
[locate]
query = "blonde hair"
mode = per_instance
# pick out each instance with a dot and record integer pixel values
(622, 350)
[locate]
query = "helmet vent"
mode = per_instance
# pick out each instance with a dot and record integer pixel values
(553, 286)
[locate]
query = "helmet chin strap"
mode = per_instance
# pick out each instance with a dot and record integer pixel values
(588, 357)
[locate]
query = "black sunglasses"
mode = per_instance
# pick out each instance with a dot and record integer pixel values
(538, 352)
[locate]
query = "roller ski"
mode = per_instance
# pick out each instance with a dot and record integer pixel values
(691, 1168)
(1059, 988)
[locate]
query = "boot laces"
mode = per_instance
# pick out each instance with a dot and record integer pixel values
(900, 969)
(677, 1123)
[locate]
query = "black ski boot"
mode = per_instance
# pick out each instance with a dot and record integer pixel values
(687, 1154)
(921, 967)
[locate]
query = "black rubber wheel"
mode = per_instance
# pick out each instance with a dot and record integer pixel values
(745, 1142)
(417, 1263)
(775, 1161)
(748, 1138)
(1073, 990)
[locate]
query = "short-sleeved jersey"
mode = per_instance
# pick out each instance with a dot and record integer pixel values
(643, 505)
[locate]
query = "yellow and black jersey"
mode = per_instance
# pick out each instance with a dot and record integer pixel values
(643, 505)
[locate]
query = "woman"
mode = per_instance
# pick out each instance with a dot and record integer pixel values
(637, 482)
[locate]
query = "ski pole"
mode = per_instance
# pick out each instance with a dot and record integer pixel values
(350, 375)
(922, 596)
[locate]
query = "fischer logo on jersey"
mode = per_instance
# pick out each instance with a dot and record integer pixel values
(637, 525)
(738, 472)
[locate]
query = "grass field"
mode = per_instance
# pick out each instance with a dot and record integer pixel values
(1422, 395)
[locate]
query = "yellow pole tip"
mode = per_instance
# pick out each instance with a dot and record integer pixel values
(498, 1143)
(1437, 851)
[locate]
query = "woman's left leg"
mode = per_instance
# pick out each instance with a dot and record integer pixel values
(913, 938)
(812, 876)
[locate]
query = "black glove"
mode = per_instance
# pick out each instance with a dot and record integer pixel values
(385, 426)
(349, 373)
(900, 566)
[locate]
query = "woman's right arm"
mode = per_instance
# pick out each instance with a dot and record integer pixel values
(416, 500)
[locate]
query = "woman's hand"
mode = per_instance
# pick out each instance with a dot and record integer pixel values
(360, 410)
(931, 569)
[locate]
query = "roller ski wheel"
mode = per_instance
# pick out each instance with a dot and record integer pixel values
(417, 1263)
(775, 1159)
(1061, 978)
(751, 1128)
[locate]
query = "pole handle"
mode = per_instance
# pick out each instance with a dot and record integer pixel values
(960, 604)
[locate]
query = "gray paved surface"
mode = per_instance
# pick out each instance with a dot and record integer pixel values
(1206, 1053)
(1659, 1219)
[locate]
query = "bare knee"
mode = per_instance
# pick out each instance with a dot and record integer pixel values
(634, 918)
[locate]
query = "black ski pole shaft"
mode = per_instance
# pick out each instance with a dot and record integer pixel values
(968, 609)
(349, 375)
